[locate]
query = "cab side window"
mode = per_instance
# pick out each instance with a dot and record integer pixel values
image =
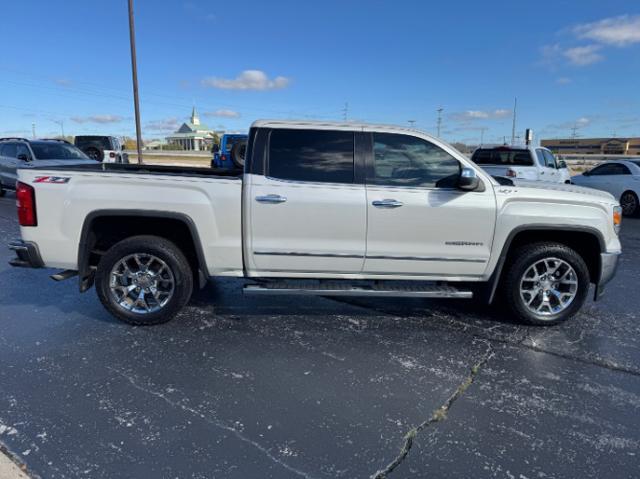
(541, 159)
(550, 159)
(22, 150)
(312, 156)
(401, 160)
(10, 150)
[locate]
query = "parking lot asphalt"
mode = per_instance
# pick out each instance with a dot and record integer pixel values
(282, 387)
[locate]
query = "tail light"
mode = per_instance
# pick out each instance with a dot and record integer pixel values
(511, 173)
(223, 157)
(26, 203)
(112, 155)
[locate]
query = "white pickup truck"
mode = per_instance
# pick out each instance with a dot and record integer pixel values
(522, 162)
(320, 208)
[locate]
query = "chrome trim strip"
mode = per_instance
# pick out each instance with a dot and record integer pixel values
(312, 255)
(428, 258)
(261, 272)
(348, 255)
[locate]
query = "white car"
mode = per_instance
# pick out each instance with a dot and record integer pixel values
(621, 178)
(522, 162)
(327, 209)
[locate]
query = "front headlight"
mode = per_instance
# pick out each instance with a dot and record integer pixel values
(617, 218)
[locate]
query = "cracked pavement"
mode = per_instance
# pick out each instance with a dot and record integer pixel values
(257, 387)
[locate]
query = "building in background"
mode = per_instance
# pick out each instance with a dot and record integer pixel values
(593, 146)
(193, 135)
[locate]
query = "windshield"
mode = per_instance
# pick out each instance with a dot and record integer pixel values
(57, 151)
(502, 157)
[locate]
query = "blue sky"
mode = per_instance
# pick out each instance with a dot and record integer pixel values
(570, 63)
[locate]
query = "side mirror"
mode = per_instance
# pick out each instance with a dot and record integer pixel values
(468, 180)
(23, 157)
(562, 164)
(216, 148)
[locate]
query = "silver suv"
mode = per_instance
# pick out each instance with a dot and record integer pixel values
(22, 153)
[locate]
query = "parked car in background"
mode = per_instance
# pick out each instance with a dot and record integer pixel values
(22, 153)
(107, 149)
(522, 162)
(231, 152)
(621, 178)
(328, 209)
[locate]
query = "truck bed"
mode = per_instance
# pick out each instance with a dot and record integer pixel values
(148, 170)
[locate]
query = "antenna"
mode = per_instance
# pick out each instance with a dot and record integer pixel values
(439, 110)
(513, 127)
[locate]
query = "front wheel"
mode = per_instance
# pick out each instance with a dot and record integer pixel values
(629, 203)
(144, 280)
(547, 283)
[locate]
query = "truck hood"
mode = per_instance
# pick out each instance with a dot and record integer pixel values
(563, 192)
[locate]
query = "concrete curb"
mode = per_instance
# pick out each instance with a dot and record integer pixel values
(9, 469)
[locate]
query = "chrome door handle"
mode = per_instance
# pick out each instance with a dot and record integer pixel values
(273, 199)
(387, 203)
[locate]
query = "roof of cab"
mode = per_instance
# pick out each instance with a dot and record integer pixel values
(335, 125)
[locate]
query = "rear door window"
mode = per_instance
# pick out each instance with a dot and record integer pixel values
(541, 159)
(550, 159)
(502, 156)
(311, 156)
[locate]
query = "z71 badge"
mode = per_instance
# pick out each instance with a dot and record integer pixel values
(58, 180)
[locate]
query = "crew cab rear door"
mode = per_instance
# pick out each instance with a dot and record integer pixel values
(419, 223)
(307, 212)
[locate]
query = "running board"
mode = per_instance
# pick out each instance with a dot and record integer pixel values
(345, 289)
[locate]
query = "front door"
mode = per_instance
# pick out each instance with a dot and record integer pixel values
(419, 223)
(307, 213)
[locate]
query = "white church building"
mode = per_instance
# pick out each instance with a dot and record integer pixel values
(192, 135)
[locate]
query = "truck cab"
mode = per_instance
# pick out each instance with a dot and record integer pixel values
(522, 162)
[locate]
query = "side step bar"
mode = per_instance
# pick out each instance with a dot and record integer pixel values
(338, 289)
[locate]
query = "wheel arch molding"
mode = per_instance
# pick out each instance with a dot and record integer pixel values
(185, 236)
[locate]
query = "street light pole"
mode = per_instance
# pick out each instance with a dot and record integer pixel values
(134, 74)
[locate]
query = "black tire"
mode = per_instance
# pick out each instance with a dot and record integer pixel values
(523, 259)
(167, 252)
(630, 204)
(238, 153)
(95, 154)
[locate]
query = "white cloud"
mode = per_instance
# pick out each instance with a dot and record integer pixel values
(102, 119)
(163, 125)
(563, 81)
(62, 81)
(223, 113)
(618, 31)
(584, 55)
(472, 115)
(248, 80)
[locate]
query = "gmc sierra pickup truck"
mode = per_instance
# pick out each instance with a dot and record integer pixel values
(321, 208)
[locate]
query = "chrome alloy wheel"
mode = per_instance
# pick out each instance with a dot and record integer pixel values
(141, 283)
(548, 286)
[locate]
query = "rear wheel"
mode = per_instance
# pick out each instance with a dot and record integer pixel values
(546, 284)
(144, 280)
(94, 154)
(629, 203)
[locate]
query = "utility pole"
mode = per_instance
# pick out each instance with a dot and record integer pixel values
(411, 123)
(345, 111)
(439, 110)
(513, 127)
(134, 75)
(574, 131)
(61, 124)
(482, 130)
(33, 130)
